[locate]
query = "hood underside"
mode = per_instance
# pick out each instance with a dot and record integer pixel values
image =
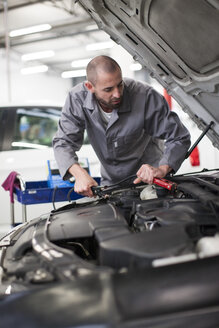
(177, 42)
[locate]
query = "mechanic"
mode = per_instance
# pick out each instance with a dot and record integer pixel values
(128, 123)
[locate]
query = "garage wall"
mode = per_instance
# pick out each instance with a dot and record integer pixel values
(44, 87)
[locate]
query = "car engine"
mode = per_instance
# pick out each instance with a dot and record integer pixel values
(126, 227)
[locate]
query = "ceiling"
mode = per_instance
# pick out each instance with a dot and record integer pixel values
(71, 31)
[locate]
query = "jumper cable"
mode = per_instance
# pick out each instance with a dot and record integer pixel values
(167, 184)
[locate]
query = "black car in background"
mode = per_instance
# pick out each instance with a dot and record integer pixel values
(135, 256)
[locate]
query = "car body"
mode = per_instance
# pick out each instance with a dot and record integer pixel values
(26, 146)
(135, 256)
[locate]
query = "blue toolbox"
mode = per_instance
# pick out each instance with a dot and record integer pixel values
(37, 192)
(52, 190)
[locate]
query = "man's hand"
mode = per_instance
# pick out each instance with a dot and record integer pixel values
(147, 173)
(83, 181)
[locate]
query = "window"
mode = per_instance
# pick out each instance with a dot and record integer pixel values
(35, 127)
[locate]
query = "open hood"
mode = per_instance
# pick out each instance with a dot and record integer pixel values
(177, 42)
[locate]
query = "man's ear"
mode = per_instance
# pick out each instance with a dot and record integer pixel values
(89, 86)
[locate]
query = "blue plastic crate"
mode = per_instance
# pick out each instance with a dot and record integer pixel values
(54, 177)
(38, 192)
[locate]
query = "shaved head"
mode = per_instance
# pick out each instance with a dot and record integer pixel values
(104, 81)
(101, 64)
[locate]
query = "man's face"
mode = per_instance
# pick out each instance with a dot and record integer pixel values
(109, 89)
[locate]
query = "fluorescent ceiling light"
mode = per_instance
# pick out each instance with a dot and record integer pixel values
(30, 30)
(38, 55)
(135, 67)
(80, 62)
(76, 73)
(34, 69)
(99, 45)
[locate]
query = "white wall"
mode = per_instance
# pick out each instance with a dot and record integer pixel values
(39, 88)
(124, 59)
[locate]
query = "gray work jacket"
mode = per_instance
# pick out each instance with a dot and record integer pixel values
(134, 135)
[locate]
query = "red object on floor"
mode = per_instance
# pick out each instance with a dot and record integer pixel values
(168, 98)
(194, 157)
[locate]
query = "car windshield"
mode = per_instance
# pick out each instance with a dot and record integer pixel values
(35, 127)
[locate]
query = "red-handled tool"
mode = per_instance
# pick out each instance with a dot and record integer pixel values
(165, 184)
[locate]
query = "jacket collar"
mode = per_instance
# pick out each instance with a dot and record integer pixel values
(89, 101)
(125, 107)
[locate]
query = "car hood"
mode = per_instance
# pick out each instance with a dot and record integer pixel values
(177, 42)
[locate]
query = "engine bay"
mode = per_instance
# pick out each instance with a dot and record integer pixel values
(128, 232)
(125, 228)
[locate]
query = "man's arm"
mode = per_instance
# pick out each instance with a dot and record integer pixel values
(162, 123)
(83, 181)
(69, 136)
(147, 173)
